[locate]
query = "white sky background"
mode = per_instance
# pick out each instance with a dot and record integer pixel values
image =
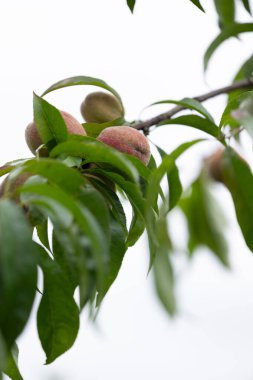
(153, 55)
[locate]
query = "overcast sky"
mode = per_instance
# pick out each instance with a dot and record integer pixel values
(155, 54)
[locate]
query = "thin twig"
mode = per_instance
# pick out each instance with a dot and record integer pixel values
(145, 125)
(234, 132)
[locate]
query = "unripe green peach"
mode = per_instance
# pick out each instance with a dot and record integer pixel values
(33, 138)
(127, 140)
(101, 107)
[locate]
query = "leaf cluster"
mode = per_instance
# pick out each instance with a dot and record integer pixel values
(68, 220)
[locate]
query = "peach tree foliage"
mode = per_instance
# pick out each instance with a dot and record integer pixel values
(68, 219)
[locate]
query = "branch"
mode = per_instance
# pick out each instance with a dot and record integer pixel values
(145, 125)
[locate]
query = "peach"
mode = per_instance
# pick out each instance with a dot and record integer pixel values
(101, 107)
(213, 165)
(10, 186)
(33, 138)
(127, 140)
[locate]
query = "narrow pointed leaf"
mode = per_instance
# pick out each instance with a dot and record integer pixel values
(81, 80)
(56, 172)
(3, 355)
(42, 232)
(232, 105)
(82, 217)
(93, 201)
(49, 121)
(18, 272)
(197, 3)
(202, 215)
(116, 206)
(245, 72)
(96, 152)
(197, 122)
(138, 204)
(117, 251)
(94, 129)
(162, 269)
(226, 11)
(246, 5)
(9, 166)
(131, 4)
(165, 168)
(238, 178)
(58, 314)
(189, 103)
(11, 369)
(228, 32)
(174, 183)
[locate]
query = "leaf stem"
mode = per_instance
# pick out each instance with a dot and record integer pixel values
(147, 124)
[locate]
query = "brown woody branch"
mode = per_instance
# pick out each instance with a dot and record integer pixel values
(145, 125)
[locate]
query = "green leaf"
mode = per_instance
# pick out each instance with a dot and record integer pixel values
(151, 198)
(131, 4)
(94, 129)
(69, 243)
(5, 169)
(58, 314)
(165, 168)
(203, 218)
(232, 105)
(9, 166)
(197, 3)
(162, 269)
(115, 204)
(56, 172)
(81, 80)
(229, 31)
(96, 151)
(134, 195)
(197, 122)
(246, 5)
(3, 355)
(238, 178)
(117, 252)
(18, 272)
(42, 232)
(83, 218)
(144, 173)
(245, 72)
(93, 201)
(11, 368)
(189, 103)
(226, 12)
(66, 249)
(136, 229)
(49, 121)
(247, 122)
(174, 183)
(142, 169)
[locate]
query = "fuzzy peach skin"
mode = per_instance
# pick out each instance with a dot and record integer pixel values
(33, 138)
(127, 140)
(213, 165)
